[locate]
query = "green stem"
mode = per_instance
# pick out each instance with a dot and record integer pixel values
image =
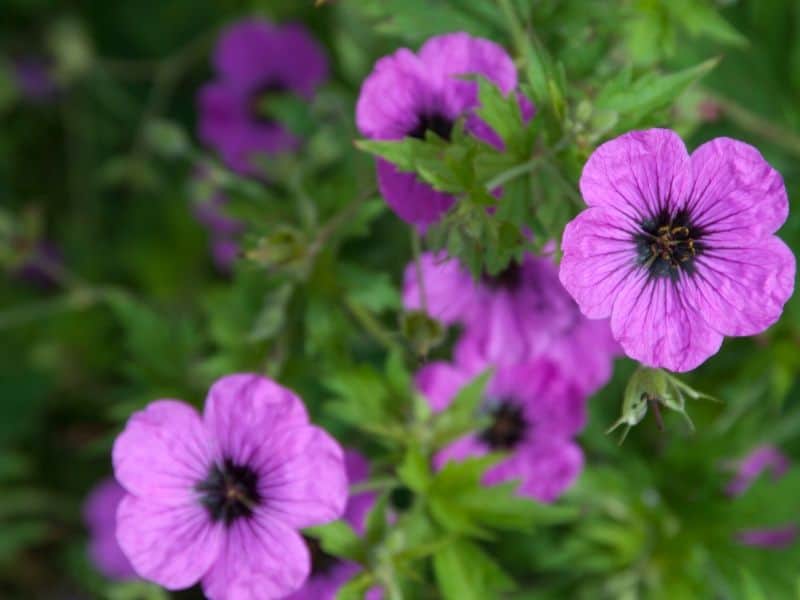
(21, 315)
(514, 172)
(373, 326)
(379, 483)
(416, 251)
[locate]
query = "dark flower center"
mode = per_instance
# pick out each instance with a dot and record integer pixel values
(258, 112)
(321, 562)
(509, 278)
(436, 122)
(668, 244)
(507, 429)
(230, 491)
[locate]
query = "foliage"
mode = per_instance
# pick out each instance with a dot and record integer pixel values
(138, 312)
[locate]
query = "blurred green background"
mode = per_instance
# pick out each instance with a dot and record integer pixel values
(103, 170)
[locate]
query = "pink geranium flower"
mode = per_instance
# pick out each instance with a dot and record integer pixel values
(534, 412)
(253, 59)
(520, 315)
(219, 498)
(408, 94)
(678, 250)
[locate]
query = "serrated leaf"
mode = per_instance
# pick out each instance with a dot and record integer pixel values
(651, 92)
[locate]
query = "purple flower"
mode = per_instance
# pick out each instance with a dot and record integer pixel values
(408, 94)
(100, 516)
(329, 573)
(517, 316)
(748, 469)
(769, 537)
(763, 458)
(254, 59)
(219, 498)
(35, 79)
(678, 250)
(533, 413)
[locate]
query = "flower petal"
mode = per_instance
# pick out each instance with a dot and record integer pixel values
(545, 468)
(735, 191)
(638, 174)
(742, 290)
(163, 452)
(302, 477)
(656, 325)
(244, 412)
(411, 199)
(393, 97)
(599, 258)
(439, 382)
(450, 292)
(253, 52)
(261, 559)
(173, 546)
(447, 57)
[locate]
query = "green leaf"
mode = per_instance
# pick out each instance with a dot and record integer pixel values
(465, 572)
(415, 470)
(339, 539)
(460, 416)
(356, 587)
(637, 100)
(463, 504)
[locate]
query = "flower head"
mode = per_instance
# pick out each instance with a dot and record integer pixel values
(678, 250)
(100, 516)
(253, 60)
(408, 94)
(516, 316)
(219, 498)
(533, 412)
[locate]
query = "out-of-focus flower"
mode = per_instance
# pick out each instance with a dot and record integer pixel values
(219, 498)
(678, 250)
(253, 60)
(408, 94)
(100, 516)
(517, 316)
(533, 410)
(34, 78)
(764, 458)
(223, 230)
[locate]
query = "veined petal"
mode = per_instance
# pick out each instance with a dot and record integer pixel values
(171, 545)
(742, 290)
(599, 258)
(735, 191)
(163, 452)
(655, 325)
(639, 174)
(261, 559)
(245, 410)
